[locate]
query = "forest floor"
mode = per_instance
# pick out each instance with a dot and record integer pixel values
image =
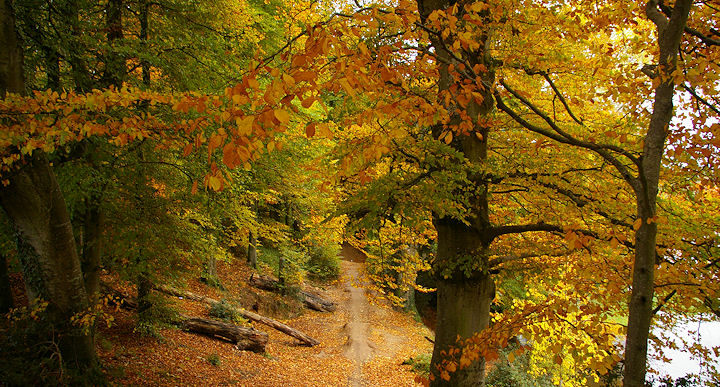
(363, 343)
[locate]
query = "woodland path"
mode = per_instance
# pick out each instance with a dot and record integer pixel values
(363, 343)
(359, 348)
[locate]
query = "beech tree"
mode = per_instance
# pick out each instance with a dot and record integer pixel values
(515, 127)
(639, 168)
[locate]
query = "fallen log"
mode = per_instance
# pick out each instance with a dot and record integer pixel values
(244, 338)
(302, 337)
(312, 301)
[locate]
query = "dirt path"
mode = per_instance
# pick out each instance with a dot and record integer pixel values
(363, 343)
(359, 349)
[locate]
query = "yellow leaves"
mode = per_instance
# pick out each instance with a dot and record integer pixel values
(478, 6)
(451, 367)
(345, 84)
(215, 182)
(215, 141)
(308, 102)
(282, 115)
(305, 76)
(187, 150)
(239, 99)
(231, 157)
(446, 137)
(253, 83)
(245, 125)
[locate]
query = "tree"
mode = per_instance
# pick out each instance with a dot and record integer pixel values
(32, 200)
(640, 170)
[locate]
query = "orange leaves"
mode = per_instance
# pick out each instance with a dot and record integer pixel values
(187, 150)
(310, 130)
(231, 156)
(637, 224)
(215, 141)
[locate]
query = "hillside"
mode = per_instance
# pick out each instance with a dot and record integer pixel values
(362, 343)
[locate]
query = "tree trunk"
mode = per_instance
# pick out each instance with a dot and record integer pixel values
(35, 205)
(646, 187)
(72, 49)
(463, 304)
(11, 56)
(464, 287)
(6, 297)
(245, 339)
(93, 224)
(305, 339)
(114, 62)
(51, 266)
(252, 250)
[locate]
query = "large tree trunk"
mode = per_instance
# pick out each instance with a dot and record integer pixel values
(464, 286)
(51, 266)
(6, 297)
(640, 315)
(37, 209)
(463, 304)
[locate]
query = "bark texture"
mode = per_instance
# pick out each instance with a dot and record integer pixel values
(51, 266)
(465, 289)
(11, 58)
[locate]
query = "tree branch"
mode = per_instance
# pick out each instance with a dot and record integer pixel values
(520, 228)
(565, 138)
(510, 258)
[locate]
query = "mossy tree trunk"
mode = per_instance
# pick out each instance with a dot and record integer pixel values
(34, 204)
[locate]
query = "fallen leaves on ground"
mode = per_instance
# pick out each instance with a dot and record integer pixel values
(185, 359)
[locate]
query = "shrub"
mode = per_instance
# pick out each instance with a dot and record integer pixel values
(158, 315)
(324, 261)
(420, 364)
(213, 359)
(224, 310)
